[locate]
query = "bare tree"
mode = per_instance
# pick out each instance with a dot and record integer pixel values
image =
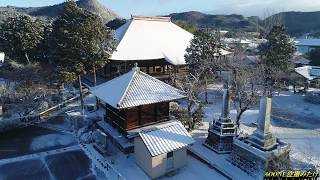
(27, 89)
(244, 82)
(194, 86)
(203, 56)
(271, 18)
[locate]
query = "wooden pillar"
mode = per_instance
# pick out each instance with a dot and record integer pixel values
(110, 71)
(155, 112)
(139, 116)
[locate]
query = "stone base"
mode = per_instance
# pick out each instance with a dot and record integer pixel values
(263, 142)
(255, 161)
(221, 134)
(220, 144)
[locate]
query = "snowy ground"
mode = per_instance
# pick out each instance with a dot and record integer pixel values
(294, 120)
(40, 153)
(126, 166)
(47, 151)
(46, 154)
(32, 140)
(194, 169)
(65, 165)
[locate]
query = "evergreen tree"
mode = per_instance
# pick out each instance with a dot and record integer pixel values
(101, 45)
(203, 55)
(315, 57)
(20, 36)
(277, 54)
(79, 43)
(192, 28)
(116, 23)
(204, 50)
(279, 50)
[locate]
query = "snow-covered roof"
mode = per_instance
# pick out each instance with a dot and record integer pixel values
(302, 60)
(166, 138)
(307, 42)
(309, 72)
(237, 40)
(1, 57)
(245, 41)
(149, 38)
(224, 52)
(135, 88)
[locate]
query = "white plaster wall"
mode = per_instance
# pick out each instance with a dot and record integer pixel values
(180, 158)
(156, 166)
(159, 163)
(142, 156)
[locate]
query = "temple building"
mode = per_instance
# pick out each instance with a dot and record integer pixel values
(156, 43)
(136, 99)
(137, 120)
(261, 151)
(222, 130)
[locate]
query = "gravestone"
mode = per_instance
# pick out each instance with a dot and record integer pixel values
(260, 151)
(222, 130)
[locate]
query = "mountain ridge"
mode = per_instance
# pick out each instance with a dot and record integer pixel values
(297, 22)
(226, 22)
(53, 11)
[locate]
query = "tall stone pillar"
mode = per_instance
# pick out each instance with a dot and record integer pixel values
(258, 152)
(225, 113)
(264, 115)
(262, 138)
(222, 131)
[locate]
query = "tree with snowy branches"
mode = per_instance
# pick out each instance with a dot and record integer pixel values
(276, 54)
(79, 43)
(20, 36)
(203, 54)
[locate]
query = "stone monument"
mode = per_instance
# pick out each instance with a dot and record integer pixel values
(222, 131)
(260, 151)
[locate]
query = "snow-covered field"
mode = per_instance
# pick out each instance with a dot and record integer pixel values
(31, 140)
(294, 120)
(39, 153)
(194, 169)
(65, 165)
(46, 154)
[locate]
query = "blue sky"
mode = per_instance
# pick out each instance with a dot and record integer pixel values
(124, 8)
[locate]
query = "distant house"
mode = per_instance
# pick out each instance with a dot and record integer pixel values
(163, 149)
(233, 43)
(301, 61)
(310, 73)
(305, 46)
(136, 99)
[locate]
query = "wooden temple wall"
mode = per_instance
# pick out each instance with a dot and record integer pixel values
(137, 116)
